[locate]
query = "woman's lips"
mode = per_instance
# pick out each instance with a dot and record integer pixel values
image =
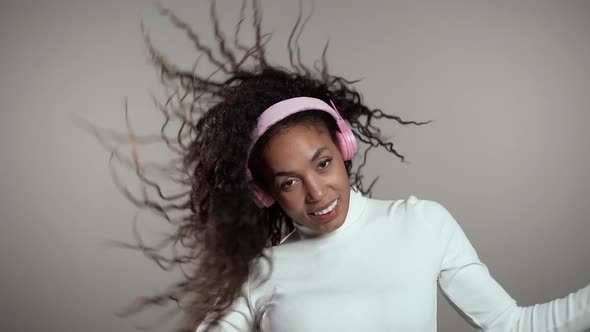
(328, 216)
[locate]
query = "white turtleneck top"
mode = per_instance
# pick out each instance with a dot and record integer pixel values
(379, 271)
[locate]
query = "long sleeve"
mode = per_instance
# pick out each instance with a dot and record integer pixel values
(238, 318)
(467, 283)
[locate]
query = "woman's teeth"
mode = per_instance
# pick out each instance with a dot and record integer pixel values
(326, 210)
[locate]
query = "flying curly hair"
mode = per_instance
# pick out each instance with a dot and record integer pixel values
(218, 230)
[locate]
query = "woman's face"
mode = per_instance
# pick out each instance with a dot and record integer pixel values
(307, 177)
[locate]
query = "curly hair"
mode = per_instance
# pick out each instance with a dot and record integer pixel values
(218, 229)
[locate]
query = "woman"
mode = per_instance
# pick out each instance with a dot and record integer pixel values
(280, 234)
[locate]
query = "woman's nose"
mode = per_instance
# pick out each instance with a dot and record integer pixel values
(315, 190)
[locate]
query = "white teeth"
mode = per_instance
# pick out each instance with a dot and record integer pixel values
(326, 210)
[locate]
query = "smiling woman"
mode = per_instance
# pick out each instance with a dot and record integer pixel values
(307, 176)
(279, 232)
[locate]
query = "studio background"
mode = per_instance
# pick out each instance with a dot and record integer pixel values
(506, 83)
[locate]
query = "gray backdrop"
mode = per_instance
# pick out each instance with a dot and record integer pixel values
(507, 83)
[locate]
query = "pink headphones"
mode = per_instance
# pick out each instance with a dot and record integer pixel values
(281, 110)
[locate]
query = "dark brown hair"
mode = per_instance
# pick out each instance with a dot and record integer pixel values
(218, 230)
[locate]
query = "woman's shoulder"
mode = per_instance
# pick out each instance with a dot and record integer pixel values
(417, 213)
(409, 206)
(422, 217)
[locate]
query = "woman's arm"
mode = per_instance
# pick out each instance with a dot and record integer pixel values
(238, 318)
(467, 283)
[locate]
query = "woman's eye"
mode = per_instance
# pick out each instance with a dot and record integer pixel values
(325, 163)
(287, 184)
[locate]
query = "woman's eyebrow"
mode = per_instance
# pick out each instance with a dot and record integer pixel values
(284, 173)
(315, 156)
(318, 153)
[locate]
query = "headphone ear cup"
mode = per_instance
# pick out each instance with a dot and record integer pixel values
(346, 139)
(342, 146)
(259, 196)
(347, 144)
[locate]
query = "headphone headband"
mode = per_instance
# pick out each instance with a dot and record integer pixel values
(284, 108)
